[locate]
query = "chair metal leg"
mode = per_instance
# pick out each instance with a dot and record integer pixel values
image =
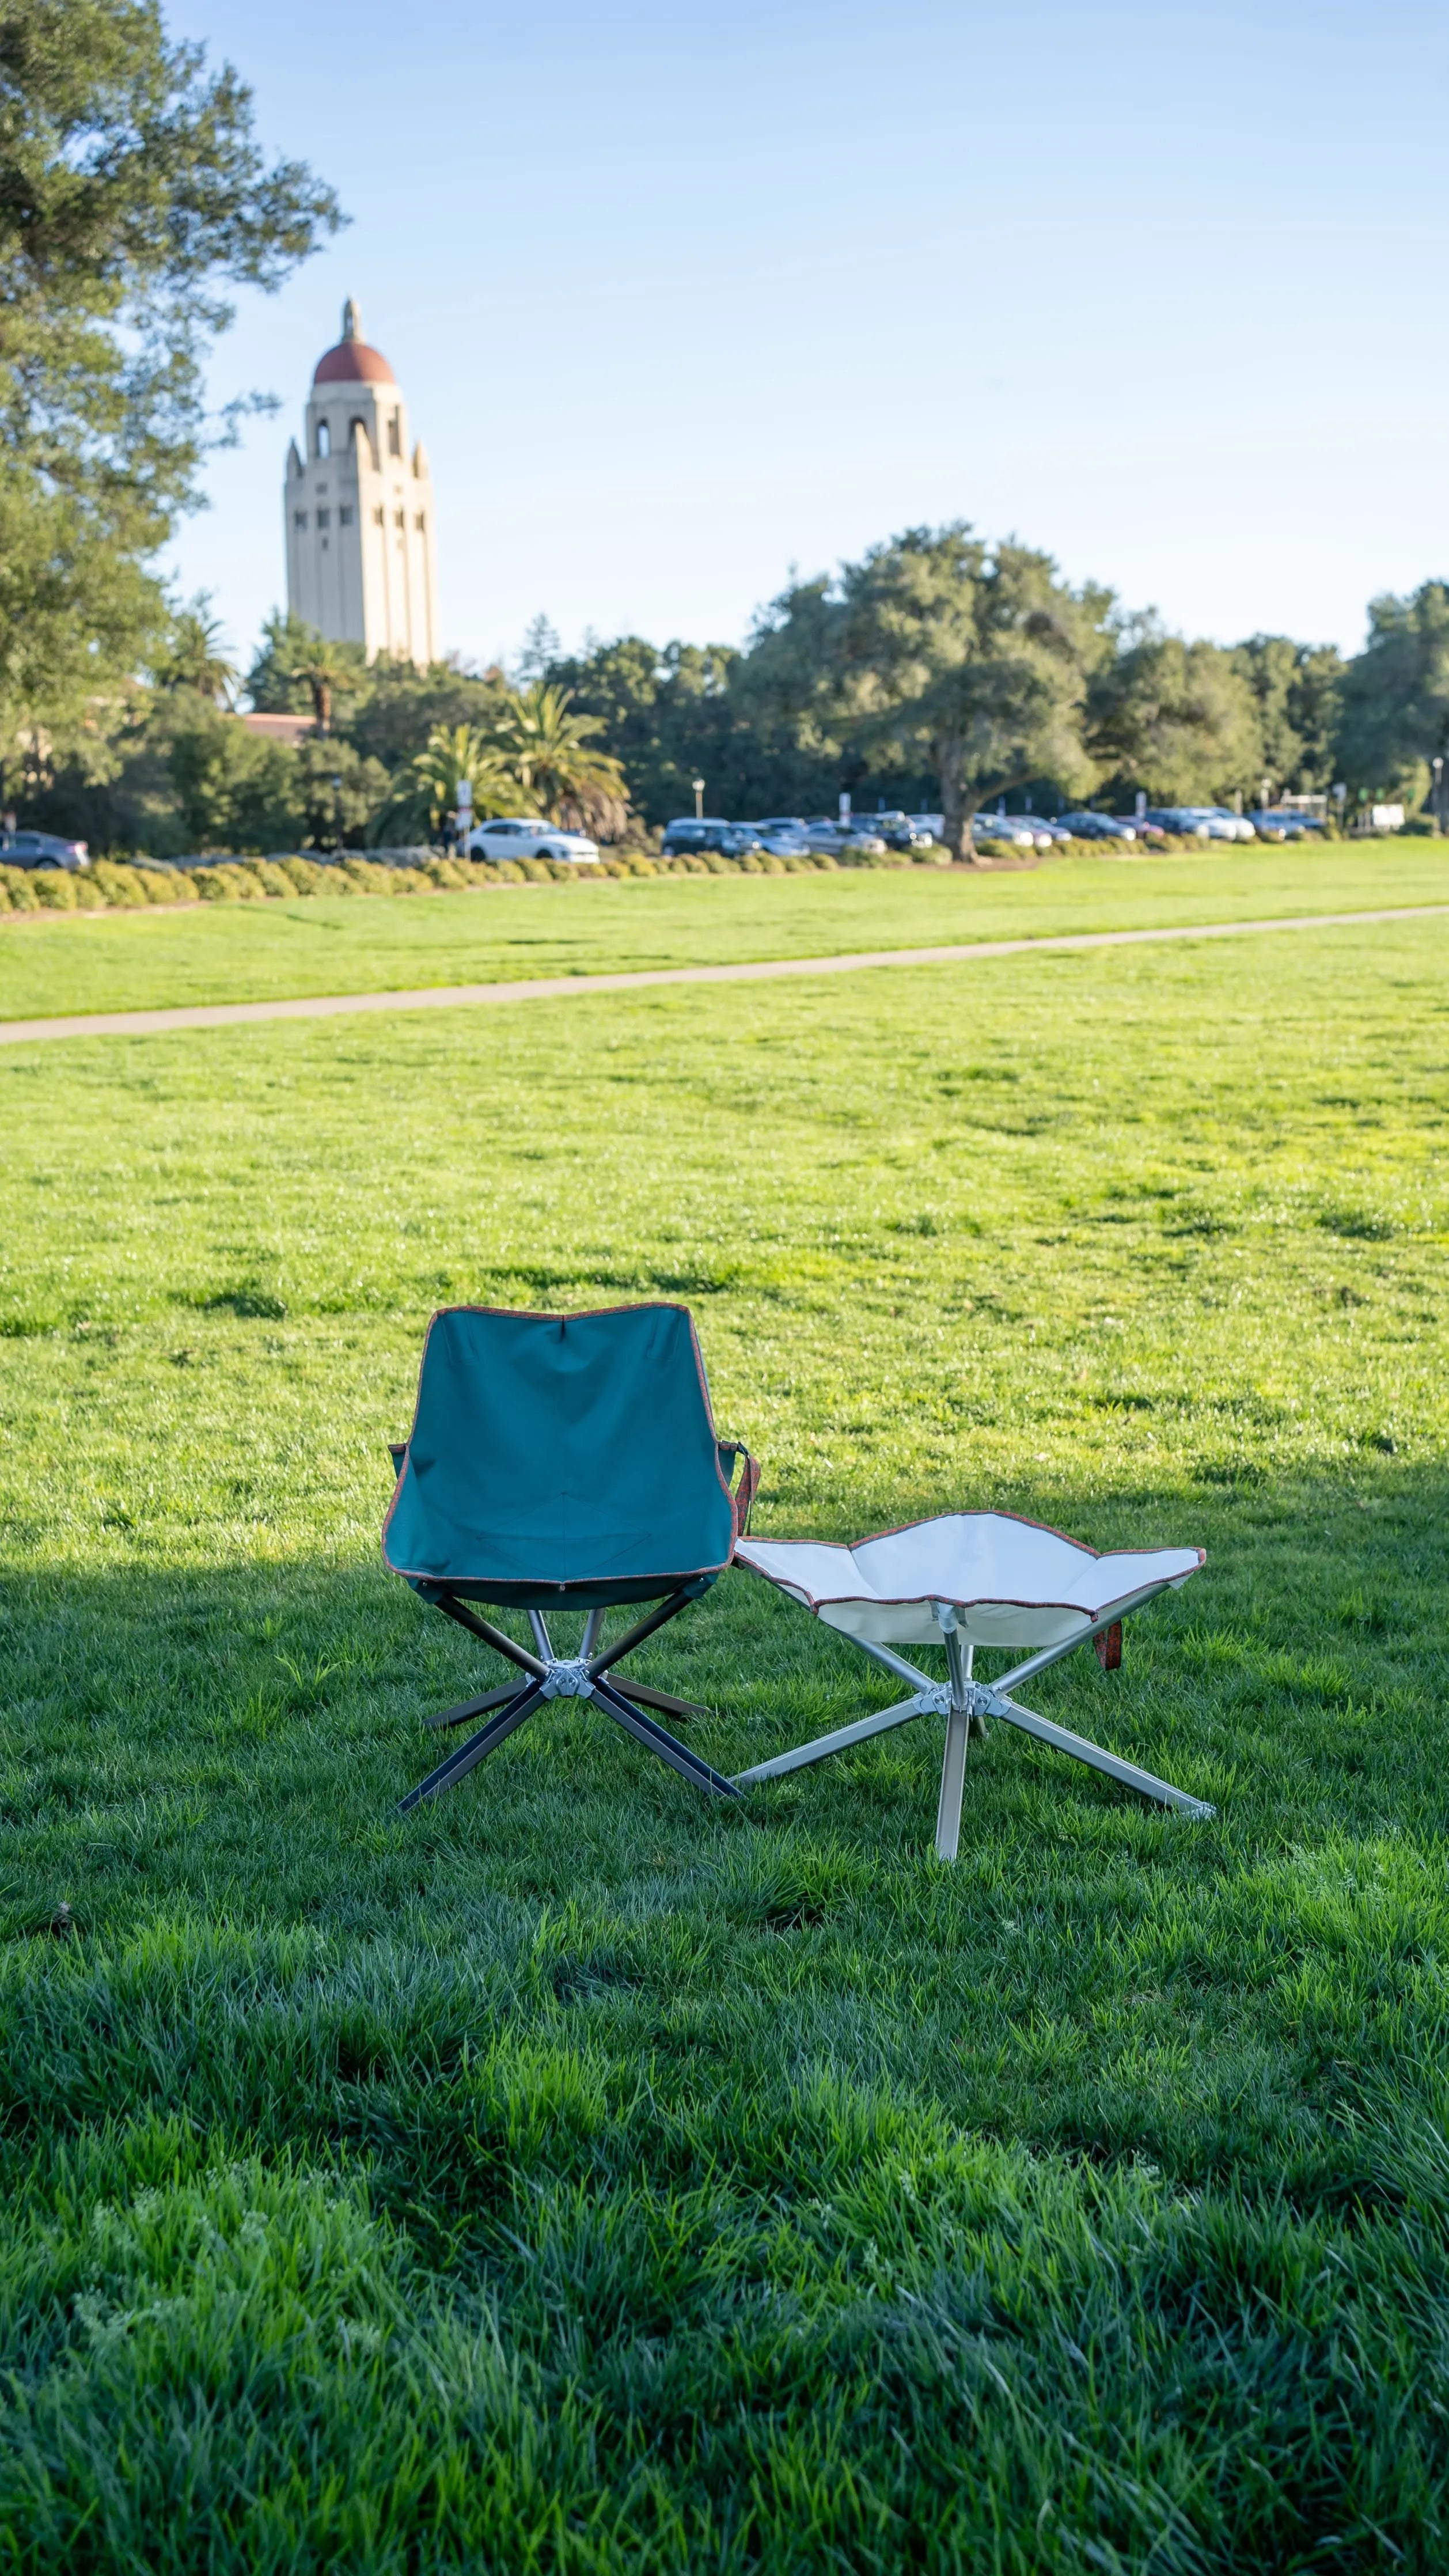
(959, 1720)
(658, 1740)
(631, 1689)
(953, 1784)
(842, 1737)
(1081, 1750)
(467, 1708)
(476, 1750)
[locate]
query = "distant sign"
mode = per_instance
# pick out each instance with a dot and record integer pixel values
(1386, 818)
(465, 795)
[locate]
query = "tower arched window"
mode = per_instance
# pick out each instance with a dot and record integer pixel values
(324, 439)
(394, 434)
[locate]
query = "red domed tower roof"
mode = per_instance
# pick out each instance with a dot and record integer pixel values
(352, 362)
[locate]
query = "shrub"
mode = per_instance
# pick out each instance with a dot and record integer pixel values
(445, 873)
(509, 872)
(1419, 827)
(368, 877)
(21, 893)
(303, 875)
(272, 879)
(222, 881)
(55, 888)
(120, 885)
(165, 885)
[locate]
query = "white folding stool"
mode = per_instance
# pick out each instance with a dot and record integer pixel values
(965, 1580)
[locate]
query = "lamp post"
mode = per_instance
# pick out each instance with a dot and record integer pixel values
(1439, 792)
(465, 815)
(699, 800)
(337, 815)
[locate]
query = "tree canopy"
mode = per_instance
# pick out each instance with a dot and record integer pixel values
(132, 191)
(1395, 696)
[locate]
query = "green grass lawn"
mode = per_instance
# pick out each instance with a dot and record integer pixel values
(577, 2176)
(61, 963)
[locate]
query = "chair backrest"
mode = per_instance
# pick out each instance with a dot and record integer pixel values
(561, 1452)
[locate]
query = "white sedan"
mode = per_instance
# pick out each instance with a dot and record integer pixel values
(519, 836)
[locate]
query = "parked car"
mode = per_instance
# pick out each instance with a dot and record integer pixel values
(1098, 827)
(709, 832)
(523, 836)
(896, 830)
(42, 850)
(1207, 822)
(837, 840)
(1271, 825)
(1181, 819)
(1013, 829)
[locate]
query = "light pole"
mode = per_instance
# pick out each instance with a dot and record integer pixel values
(337, 815)
(699, 800)
(464, 793)
(1439, 792)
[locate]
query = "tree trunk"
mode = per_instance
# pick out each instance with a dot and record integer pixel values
(958, 812)
(958, 806)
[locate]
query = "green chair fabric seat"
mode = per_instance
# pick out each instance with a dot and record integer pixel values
(561, 1458)
(565, 1462)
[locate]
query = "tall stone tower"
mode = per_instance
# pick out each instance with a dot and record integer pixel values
(361, 559)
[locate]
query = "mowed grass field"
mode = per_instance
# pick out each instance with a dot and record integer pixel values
(62, 963)
(579, 2176)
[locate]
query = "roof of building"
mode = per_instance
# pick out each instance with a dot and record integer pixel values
(352, 362)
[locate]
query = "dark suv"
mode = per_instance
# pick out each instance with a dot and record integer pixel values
(710, 832)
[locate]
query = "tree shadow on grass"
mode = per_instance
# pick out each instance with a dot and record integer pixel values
(714, 2114)
(225, 1747)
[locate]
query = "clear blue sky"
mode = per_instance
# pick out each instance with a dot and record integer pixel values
(683, 296)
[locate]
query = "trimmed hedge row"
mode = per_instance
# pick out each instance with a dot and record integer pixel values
(113, 886)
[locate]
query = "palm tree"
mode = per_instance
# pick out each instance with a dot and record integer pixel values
(550, 753)
(320, 667)
(195, 656)
(425, 791)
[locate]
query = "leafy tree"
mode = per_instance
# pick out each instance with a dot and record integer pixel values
(194, 654)
(1395, 697)
(233, 789)
(131, 189)
(1298, 690)
(1179, 720)
(335, 791)
(395, 707)
(938, 651)
(671, 714)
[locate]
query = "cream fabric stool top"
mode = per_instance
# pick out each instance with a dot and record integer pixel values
(965, 1580)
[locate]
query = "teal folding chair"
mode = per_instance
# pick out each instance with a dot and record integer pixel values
(565, 1462)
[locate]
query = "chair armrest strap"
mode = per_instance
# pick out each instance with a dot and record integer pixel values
(731, 1453)
(397, 1450)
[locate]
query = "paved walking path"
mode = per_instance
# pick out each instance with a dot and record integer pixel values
(560, 988)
